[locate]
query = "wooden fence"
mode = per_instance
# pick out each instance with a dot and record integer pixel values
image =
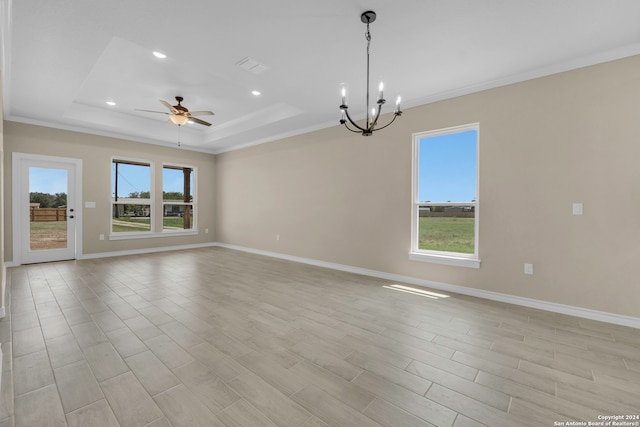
(48, 214)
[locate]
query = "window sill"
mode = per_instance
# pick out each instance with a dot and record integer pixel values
(145, 235)
(458, 261)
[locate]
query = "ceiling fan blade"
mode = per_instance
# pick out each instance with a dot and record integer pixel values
(200, 122)
(202, 113)
(152, 111)
(169, 106)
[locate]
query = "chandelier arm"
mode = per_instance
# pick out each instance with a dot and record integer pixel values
(352, 130)
(346, 112)
(392, 120)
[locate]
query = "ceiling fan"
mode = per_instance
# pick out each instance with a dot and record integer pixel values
(180, 115)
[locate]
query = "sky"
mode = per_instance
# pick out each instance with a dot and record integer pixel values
(447, 167)
(53, 181)
(131, 179)
(135, 178)
(48, 181)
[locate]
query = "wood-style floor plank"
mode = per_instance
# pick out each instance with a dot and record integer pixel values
(216, 337)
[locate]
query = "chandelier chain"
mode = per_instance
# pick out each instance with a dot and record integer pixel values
(368, 37)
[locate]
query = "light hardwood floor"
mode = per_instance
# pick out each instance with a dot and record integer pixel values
(215, 337)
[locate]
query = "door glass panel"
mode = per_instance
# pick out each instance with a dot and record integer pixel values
(47, 208)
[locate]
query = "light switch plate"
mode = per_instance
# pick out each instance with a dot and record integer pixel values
(528, 269)
(578, 209)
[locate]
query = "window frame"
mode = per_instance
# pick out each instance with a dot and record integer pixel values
(119, 235)
(193, 203)
(443, 257)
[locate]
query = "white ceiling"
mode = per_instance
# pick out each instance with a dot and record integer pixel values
(61, 60)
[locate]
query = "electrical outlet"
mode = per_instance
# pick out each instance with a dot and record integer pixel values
(528, 269)
(277, 237)
(578, 209)
(206, 231)
(102, 237)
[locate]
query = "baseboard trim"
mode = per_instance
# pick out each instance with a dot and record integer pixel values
(584, 313)
(144, 251)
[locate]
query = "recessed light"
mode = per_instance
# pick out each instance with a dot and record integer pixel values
(255, 93)
(159, 55)
(111, 103)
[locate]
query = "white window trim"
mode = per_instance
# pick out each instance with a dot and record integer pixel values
(151, 235)
(440, 257)
(446, 258)
(136, 234)
(194, 202)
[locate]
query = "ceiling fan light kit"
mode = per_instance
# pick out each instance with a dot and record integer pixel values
(371, 122)
(178, 120)
(180, 115)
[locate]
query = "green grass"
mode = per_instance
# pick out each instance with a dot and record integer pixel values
(125, 228)
(48, 226)
(124, 225)
(173, 222)
(136, 220)
(447, 234)
(127, 224)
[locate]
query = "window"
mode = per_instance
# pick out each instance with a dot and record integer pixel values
(178, 204)
(445, 196)
(131, 196)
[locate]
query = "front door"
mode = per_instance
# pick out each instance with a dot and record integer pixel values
(47, 218)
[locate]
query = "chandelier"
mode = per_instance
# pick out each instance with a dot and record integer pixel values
(373, 114)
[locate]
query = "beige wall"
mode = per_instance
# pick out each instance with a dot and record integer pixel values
(96, 153)
(338, 197)
(572, 137)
